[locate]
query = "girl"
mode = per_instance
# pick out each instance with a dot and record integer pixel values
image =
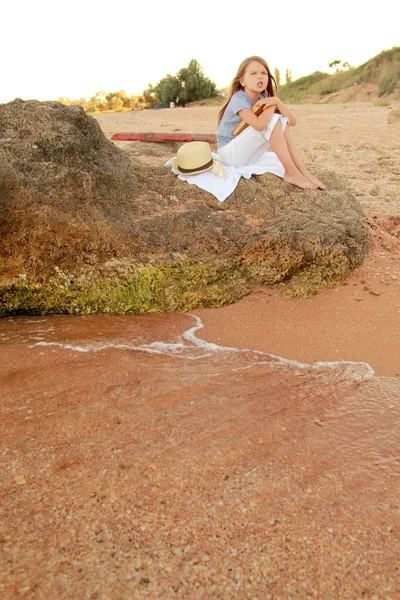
(254, 85)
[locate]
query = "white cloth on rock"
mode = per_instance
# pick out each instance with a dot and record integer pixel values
(222, 187)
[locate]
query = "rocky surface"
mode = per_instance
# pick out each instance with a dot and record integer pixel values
(72, 200)
(61, 183)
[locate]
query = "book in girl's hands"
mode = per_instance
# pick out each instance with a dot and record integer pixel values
(257, 110)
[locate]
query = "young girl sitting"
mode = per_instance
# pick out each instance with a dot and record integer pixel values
(254, 85)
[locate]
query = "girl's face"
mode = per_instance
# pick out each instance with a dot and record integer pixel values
(255, 78)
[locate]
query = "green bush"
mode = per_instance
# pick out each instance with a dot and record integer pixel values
(329, 89)
(385, 62)
(389, 81)
(296, 90)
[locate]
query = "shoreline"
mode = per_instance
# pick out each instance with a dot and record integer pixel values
(356, 321)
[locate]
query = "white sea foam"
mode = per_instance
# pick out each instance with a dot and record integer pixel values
(190, 335)
(370, 373)
(190, 345)
(35, 320)
(65, 346)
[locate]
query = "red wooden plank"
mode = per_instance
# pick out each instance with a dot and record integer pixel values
(164, 137)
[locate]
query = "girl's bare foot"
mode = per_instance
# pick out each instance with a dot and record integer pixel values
(314, 180)
(300, 181)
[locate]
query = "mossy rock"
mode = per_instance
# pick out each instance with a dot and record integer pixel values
(81, 220)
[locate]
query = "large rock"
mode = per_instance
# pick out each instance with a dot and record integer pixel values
(61, 181)
(71, 201)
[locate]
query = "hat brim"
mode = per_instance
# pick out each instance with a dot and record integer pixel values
(175, 166)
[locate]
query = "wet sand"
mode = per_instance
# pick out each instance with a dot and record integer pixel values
(358, 320)
(139, 462)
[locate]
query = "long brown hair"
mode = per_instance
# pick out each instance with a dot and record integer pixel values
(236, 86)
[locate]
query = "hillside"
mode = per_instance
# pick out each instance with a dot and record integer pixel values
(376, 79)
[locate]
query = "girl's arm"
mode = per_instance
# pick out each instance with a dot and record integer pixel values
(270, 105)
(259, 123)
(281, 106)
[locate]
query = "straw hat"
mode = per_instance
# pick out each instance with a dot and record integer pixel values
(193, 158)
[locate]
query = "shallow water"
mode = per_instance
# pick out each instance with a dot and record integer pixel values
(116, 424)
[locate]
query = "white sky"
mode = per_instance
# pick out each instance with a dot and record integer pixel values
(75, 48)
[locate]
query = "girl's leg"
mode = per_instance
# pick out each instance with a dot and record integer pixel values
(292, 174)
(294, 153)
(245, 149)
(248, 147)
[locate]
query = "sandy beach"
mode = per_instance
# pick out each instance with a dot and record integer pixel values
(356, 321)
(230, 454)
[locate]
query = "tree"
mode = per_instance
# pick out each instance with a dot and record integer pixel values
(148, 97)
(117, 100)
(277, 75)
(98, 102)
(168, 89)
(334, 63)
(195, 85)
(288, 76)
(338, 65)
(188, 85)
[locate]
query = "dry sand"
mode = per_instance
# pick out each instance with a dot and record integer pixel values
(359, 320)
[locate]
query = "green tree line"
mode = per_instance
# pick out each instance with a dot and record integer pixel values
(188, 85)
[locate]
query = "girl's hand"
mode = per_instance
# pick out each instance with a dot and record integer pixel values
(271, 101)
(280, 107)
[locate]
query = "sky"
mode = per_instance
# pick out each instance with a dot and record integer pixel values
(76, 48)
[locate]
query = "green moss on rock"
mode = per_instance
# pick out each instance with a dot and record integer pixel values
(126, 288)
